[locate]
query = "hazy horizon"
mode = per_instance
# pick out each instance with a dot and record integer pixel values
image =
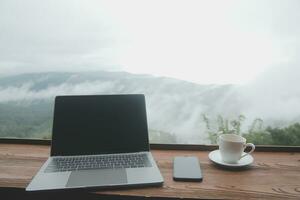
(206, 42)
(174, 107)
(224, 57)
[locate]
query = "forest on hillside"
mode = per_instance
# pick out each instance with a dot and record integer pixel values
(34, 120)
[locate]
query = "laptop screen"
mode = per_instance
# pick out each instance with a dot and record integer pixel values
(98, 124)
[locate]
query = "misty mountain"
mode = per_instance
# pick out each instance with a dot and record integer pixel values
(174, 107)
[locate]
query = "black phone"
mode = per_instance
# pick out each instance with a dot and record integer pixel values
(186, 168)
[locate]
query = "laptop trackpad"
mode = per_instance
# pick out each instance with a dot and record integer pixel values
(98, 177)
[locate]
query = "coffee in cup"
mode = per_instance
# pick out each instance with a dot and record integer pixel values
(232, 147)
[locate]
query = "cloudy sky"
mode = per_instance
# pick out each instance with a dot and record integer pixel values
(200, 41)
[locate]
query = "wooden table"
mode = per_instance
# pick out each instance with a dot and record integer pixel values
(273, 175)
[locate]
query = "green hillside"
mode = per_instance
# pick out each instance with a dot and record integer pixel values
(175, 108)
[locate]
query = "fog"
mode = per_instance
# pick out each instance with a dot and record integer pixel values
(175, 106)
(167, 110)
(253, 45)
(25, 92)
(213, 42)
(275, 94)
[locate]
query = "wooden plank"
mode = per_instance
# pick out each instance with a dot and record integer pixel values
(273, 175)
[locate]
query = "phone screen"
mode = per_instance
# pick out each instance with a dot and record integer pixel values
(186, 169)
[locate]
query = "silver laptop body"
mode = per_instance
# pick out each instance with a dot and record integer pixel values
(98, 141)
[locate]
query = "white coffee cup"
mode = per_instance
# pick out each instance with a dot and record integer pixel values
(232, 146)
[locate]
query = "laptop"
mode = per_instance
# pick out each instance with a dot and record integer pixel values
(98, 141)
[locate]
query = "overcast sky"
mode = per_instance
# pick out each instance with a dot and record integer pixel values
(201, 41)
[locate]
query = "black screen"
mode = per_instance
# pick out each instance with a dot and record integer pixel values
(97, 124)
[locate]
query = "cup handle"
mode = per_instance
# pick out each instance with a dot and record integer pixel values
(252, 149)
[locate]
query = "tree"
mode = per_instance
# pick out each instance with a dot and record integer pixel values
(224, 126)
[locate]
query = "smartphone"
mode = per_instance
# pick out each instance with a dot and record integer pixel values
(186, 168)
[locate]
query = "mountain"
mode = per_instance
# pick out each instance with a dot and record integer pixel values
(175, 107)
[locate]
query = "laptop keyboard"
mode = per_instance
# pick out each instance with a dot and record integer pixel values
(72, 163)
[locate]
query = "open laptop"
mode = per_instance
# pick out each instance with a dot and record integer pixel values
(98, 141)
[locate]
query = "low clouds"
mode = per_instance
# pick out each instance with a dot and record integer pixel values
(275, 95)
(26, 93)
(173, 106)
(232, 43)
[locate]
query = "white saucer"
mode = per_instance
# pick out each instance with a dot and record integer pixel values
(215, 157)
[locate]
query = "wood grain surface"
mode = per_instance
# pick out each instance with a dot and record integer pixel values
(271, 176)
